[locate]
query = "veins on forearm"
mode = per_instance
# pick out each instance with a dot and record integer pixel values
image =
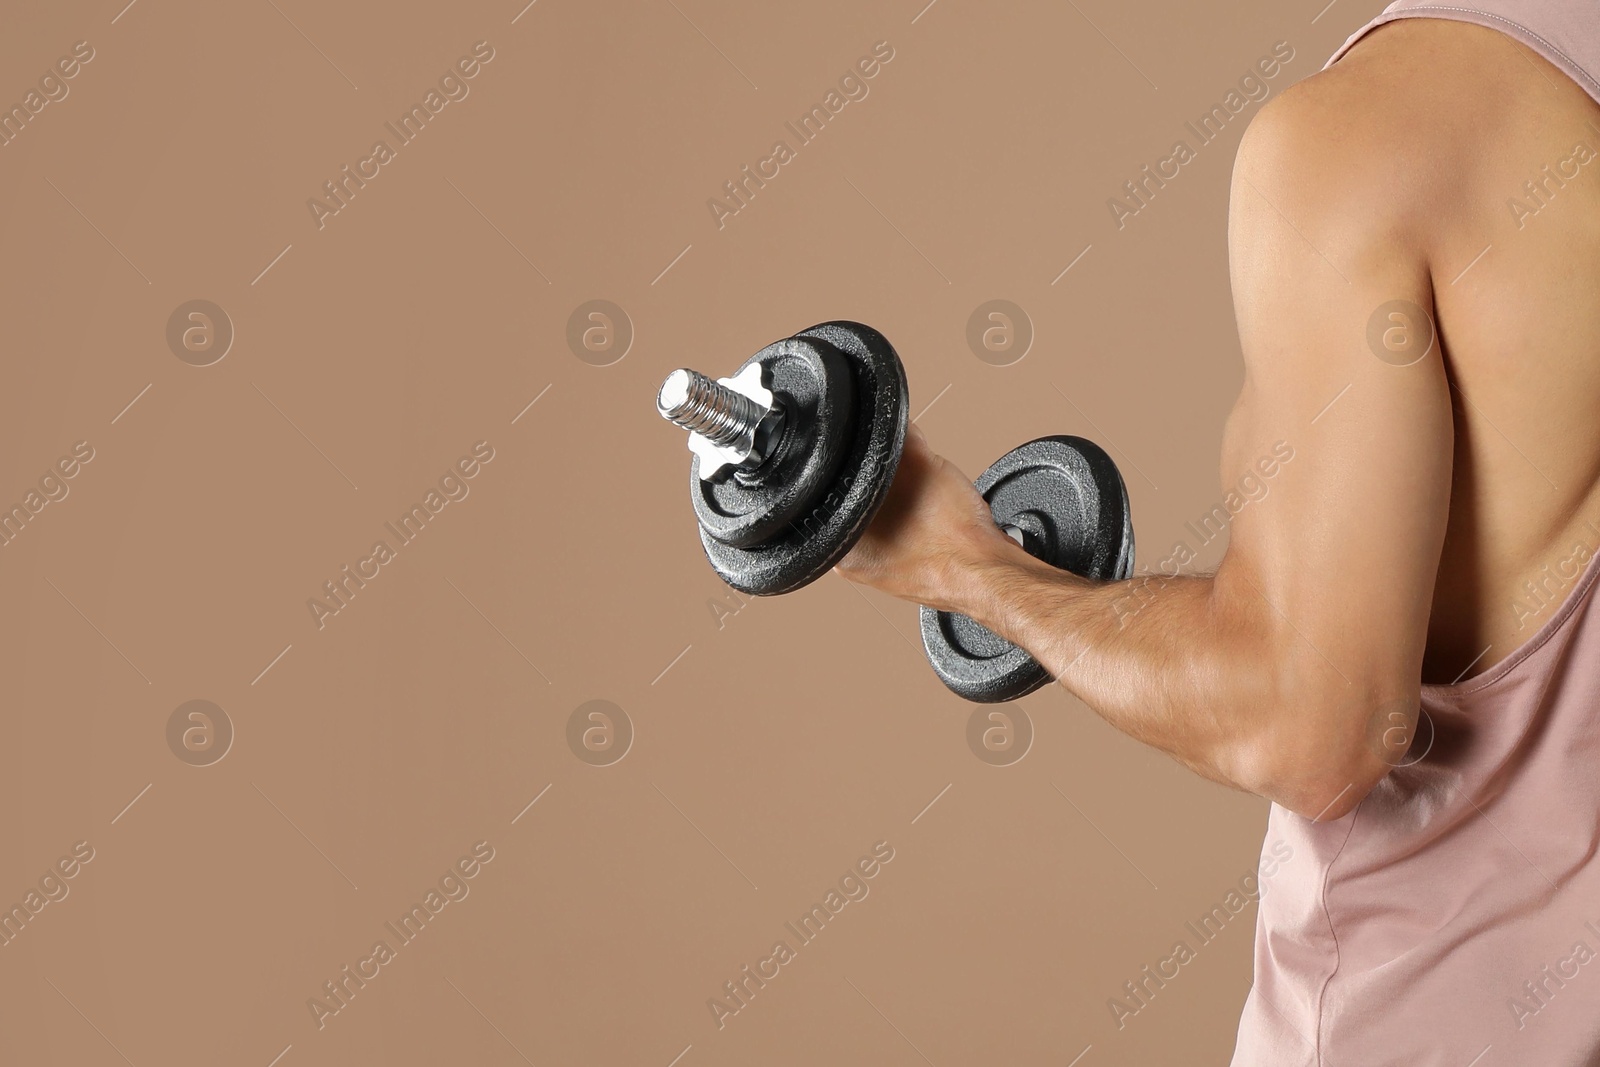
(1152, 655)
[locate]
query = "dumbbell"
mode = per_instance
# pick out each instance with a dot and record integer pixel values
(795, 451)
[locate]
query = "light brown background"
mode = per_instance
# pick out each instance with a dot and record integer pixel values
(427, 715)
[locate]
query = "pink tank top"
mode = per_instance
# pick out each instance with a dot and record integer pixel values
(1453, 918)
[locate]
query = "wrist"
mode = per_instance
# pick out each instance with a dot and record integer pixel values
(1019, 597)
(984, 582)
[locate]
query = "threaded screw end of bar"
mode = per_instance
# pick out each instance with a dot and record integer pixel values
(691, 400)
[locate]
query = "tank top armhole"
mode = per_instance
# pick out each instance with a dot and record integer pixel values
(1575, 598)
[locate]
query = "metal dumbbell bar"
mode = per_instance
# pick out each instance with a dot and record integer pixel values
(794, 453)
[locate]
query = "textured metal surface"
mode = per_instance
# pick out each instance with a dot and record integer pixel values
(836, 510)
(814, 386)
(1066, 501)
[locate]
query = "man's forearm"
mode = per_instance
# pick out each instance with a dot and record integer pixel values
(1267, 676)
(1195, 666)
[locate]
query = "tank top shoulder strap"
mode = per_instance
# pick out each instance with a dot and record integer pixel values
(1565, 32)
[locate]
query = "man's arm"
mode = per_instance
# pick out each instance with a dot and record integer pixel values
(1282, 673)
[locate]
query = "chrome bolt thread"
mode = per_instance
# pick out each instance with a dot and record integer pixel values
(691, 400)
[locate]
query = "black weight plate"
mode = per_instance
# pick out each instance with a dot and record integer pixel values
(813, 541)
(1067, 497)
(812, 380)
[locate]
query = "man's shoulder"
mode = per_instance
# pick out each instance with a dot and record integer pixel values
(1355, 146)
(1409, 136)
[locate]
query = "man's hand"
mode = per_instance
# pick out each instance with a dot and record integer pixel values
(932, 535)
